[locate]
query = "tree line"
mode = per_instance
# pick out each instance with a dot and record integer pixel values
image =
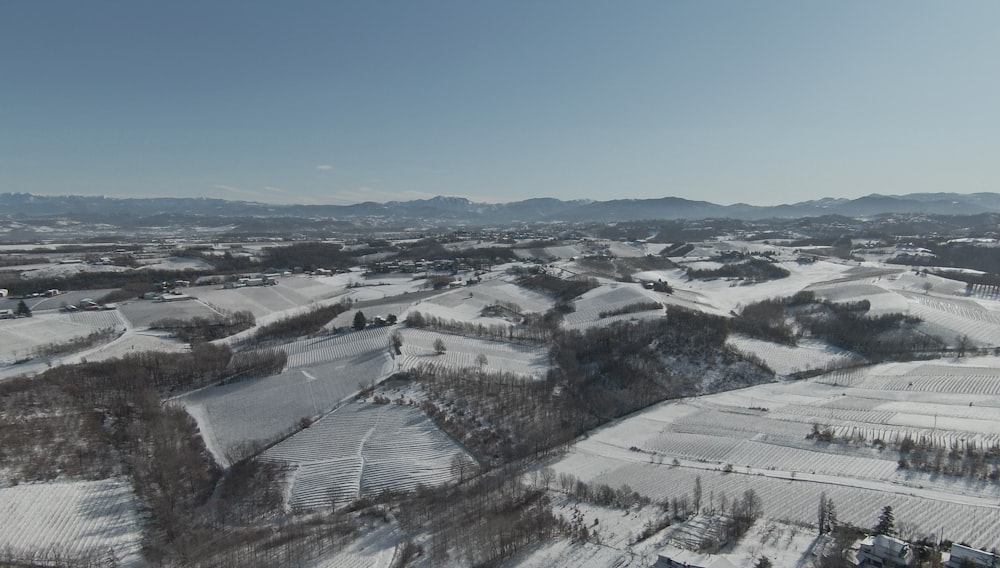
(846, 325)
(597, 375)
(101, 419)
(303, 324)
(754, 270)
(496, 332)
(200, 329)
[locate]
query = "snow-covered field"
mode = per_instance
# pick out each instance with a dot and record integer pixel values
(554, 252)
(321, 373)
(142, 313)
(785, 359)
(291, 294)
(19, 337)
(176, 263)
(730, 295)
(97, 520)
(760, 432)
(607, 298)
(941, 304)
(138, 342)
(361, 449)
(462, 353)
(754, 438)
(466, 304)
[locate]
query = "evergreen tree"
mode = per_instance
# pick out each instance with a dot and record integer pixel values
(831, 516)
(360, 321)
(821, 514)
(397, 342)
(886, 522)
(827, 517)
(23, 310)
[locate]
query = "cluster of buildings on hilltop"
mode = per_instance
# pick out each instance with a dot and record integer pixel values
(413, 266)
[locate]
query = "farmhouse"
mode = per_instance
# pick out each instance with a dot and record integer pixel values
(884, 551)
(965, 556)
(4, 292)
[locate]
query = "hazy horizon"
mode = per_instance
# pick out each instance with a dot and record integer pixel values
(335, 103)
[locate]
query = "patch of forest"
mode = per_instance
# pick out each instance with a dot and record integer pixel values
(481, 522)
(632, 308)
(959, 458)
(299, 325)
(530, 328)
(18, 260)
(597, 375)
(755, 269)
(129, 279)
(955, 255)
(846, 325)
(561, 289)
(201, 329)
(110, 418)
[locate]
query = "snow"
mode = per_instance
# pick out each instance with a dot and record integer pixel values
(375, 548)
(321, 373)
(465, 304)
(143, 313)
(462, 352)
(784, 544)
(731, 295)
(268, 303)
(71, 519)
(361, 449)
(761, 432)
(786, 359)
(176, 263)
(610, 297)
(138, 342)
(20, 337)
(56, 270)
(358, 448)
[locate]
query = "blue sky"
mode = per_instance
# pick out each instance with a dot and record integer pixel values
(342, 101)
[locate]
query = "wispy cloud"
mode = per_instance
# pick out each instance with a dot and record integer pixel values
(275, 189)
(324, 167)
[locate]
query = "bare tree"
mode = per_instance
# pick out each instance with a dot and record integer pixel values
(548, 475)
(962, 344)
(696, 498)
(439, 346)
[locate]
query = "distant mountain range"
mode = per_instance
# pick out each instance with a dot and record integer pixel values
(457, 210)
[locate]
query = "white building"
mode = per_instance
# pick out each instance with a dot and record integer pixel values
(884, 551)
(966, 556)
